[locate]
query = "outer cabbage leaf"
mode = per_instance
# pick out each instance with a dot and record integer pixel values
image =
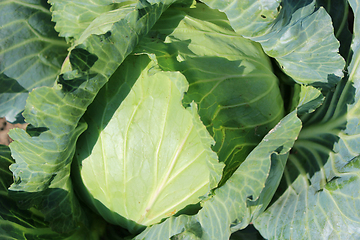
(339, 12)
(318, 196)
(321, 173)
(31, 53)
(249, 18)
(227, 210)
(157, 152)
(22, 224)
(230, 78)
(42, 167)
(309, 100)
(247, 193)
(74, 17)
(299, 36)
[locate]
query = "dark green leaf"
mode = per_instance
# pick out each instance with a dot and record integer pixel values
(31, 53)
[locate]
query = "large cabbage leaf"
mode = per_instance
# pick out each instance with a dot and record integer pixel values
(230, 78)
(43, 160)
(318, 196)
(16, 223)
(247, 193)
(229, 208)
(31, 53)
(153, 157)
(197, 227)
(22, 224)
(297, 34)
(74, 17)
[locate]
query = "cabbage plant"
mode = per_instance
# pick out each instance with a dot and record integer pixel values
(165, 119)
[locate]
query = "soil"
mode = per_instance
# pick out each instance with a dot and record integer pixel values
(5, 126)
